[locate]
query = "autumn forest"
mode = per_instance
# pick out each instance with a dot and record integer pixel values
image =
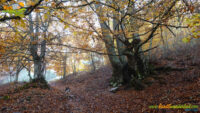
(99, 56)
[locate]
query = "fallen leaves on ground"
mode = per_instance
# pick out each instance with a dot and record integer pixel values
(33, 100)
(89, 93)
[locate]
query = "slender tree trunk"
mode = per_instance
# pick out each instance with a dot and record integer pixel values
(74, 66)
(17, 73)
(17, 70)
(93, 63)
(29, 74)
(29, 70)
(150, 46)
(17, 76)
(64, 66)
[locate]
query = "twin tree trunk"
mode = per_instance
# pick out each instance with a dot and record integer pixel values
(128, 66)
(39, 63)
(38, 59)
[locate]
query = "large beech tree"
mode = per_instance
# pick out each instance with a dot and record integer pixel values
(120, 24)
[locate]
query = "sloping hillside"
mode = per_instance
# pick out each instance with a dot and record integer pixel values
(89, 92)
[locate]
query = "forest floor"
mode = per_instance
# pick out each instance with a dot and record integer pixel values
(89, 93)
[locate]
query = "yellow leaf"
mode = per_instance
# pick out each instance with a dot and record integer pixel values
(66, 26)
(75, 33)
(7, 7)
(90, 33)
(97, 2)
(45, 16)
(186, 40)
(53, 4)
(21, 4)
(2, 50)
(30, 3)
(34, 42)
(10, 7)
(37, 10)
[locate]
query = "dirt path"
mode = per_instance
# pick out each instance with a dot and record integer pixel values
(84, 88)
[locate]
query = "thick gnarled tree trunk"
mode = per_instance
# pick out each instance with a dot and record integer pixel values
(127, 64)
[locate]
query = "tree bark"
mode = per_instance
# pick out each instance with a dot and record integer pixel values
(18, 69)
(93, 62)
(38, 68)
(64, 65)
(39, 60)
(110, 47)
